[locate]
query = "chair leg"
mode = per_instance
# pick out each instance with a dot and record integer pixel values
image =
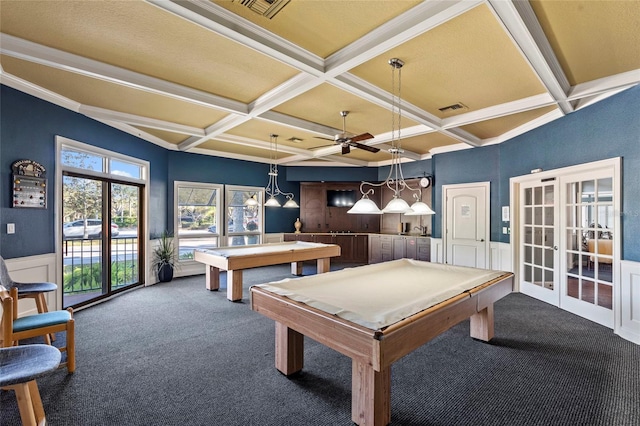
(71, 347)
(29, 403)
(41, 304)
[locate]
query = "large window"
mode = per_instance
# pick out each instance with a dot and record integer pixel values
(198, 218)
(245, 224)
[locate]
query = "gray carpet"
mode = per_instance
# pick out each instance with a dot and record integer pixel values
(177, 354)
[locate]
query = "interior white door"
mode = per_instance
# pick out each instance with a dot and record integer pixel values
(466, 226)
(539, 240)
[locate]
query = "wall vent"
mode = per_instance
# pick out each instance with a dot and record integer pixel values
(454, 107)
(266, 8)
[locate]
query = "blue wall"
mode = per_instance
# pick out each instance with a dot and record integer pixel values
(610, 128)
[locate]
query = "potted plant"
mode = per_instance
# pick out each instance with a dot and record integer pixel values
(164, 257)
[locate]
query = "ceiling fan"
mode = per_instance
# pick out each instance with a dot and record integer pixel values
(343, 139)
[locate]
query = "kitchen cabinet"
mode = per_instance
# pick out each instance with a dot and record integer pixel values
(354, 248)
(383, 247)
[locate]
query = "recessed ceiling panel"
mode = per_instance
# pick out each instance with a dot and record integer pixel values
(323, 27)
(494, 128)
(261, 129)
(323, 104)
(359, 154)
(592, 39)
(422, 144)
(469, 59)
(170, 137)
(141, 37)
(99, 93)
(241, 149)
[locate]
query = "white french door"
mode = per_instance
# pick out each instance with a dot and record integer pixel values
(539, 243)
(568, 248)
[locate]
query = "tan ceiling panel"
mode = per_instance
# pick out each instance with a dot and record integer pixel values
(323, 104)
(359, 154)
(99, 93)
(261, 129)
(423, 144)
(469, 59)
(241, 149)
(494, 128)
(324, 27)
(575, 31)
(141, 37)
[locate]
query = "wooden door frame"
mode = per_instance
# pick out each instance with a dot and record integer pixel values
(445, 237)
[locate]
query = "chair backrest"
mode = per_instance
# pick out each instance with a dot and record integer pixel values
(5, 278)
(604, 247)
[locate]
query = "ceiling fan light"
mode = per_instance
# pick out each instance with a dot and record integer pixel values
(419, 209)
(272, 202)
(290, 204)
(396, 205)
(364, 206)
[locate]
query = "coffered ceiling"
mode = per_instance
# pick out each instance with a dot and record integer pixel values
(218, 77)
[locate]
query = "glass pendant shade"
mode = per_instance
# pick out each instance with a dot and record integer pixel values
(396, 205)
(364, 206)
(290, 204)
(419, 208)
(272, 202)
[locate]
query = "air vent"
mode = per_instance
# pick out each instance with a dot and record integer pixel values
(266, 8)
(454, 107)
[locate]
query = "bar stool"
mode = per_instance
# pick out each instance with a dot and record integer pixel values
(20, 366)
(28, 291)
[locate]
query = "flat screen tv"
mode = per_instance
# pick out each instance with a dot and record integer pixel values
(341, 198)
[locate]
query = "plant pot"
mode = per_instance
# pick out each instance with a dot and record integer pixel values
(165, 273)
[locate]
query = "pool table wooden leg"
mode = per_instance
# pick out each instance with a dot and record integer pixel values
(482, 324)
(212, 278)
(324, 265)
(289, 350)
(296, 268)
(370, 395)
(234, 285)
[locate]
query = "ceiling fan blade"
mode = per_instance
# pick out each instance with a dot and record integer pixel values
(365, 147)
(362, 137)
(345, 149)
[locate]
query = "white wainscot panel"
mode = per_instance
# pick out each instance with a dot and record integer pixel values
(436, 250)
(32, 269)
(501, 257)
(628, 319)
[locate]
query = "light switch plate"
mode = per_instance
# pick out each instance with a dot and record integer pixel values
(11, 228)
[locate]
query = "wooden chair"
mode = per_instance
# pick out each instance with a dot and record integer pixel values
(20, 366)
(27, 290)
(15, 329)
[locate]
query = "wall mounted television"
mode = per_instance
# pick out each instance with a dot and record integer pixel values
(341, 197)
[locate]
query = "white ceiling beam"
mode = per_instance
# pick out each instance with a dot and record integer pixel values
(412, 23)
(136, 120)
(297, 123)
(606, 84)
(227, 123)
(33, 52)
(37, 91)
(521, 23)
(227, 24)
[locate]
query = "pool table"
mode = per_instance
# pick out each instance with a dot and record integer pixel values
(376, 314)
(236, 258)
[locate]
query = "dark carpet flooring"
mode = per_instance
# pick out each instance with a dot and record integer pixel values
(177, 354)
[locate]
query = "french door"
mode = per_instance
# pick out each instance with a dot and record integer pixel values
(100, 238)
(568, 247)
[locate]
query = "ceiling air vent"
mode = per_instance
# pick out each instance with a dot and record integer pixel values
(266, 8)
(454, 107)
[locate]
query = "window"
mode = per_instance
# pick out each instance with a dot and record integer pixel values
(244, 223)
(197, 217)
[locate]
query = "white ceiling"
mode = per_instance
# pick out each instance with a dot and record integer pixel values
(217, 78)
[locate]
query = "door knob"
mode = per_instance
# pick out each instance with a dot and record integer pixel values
(481, 240)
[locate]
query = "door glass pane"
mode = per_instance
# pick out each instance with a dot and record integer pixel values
(528, 217)
(605, 296)
(82, 272)
(125, 207)
(528, 199)
(549, 195)
(605, 190)
(548, 216)
(537, 236)
(548, 258)
(537, 195)
(537, 213)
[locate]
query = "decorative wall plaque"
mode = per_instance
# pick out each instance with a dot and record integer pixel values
(29, 185)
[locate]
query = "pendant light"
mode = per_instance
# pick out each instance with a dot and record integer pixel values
(395, 180)
(272, 190)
